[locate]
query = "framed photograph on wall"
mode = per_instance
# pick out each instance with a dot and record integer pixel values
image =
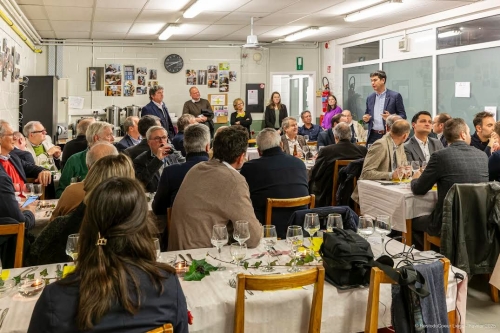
(95, 79)
(217, 99)
(129, 72)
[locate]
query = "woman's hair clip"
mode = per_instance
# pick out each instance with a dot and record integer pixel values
(101, 241)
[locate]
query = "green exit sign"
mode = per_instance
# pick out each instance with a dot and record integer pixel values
(300, 63)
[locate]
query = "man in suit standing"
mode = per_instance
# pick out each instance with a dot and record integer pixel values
(200, 108)
(321, 180)
(438, 127)
(274, 175)
(421, 146)
(459, 163)
(326, 138)
(157, 108)
(379, 105)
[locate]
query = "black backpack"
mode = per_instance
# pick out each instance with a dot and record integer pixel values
(347, 258)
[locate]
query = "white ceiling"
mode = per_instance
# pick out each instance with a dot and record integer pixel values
(226, 20)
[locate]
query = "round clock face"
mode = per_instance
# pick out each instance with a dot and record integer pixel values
(173, 63)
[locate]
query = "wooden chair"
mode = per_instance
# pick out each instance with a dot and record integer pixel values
(312, 143)
(428, 240)
(285, 203)
(279, 282)
(378, 277)
(166, 328)
(336, 168)
(32, 180)
(15, 229)
(361, 143)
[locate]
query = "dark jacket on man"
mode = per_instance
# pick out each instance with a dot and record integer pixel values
(166, 122)
(325, 138)
(475, 141)
(126, 142)
(9, 207)
(72, 147)
(23, 155)
(321, 180)
(414, 152)
(147, 170)
(459, 163)
(137, 150)
(178, 142)
(275, 175)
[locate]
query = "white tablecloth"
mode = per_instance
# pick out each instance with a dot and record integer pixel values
(252, 153)
(211, 301)
(394, 200)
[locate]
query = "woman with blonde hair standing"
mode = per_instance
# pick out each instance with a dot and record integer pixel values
(240, 116)
(275, 112)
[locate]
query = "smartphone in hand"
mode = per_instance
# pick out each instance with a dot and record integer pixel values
(30, 200)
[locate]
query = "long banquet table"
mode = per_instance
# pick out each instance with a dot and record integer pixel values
(211, 300)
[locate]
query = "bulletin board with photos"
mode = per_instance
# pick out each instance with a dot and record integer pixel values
(219, 105)
(127, 80)
(10, 61)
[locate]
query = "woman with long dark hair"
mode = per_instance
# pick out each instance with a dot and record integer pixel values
(117, 286)
(331, 111)
(275, 112)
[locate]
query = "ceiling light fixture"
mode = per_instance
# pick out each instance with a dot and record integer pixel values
(301, 34)
(195, 9)
(168, 32)
(449, 34)
(378, 9)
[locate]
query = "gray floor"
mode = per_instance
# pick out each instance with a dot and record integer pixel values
(482, 314)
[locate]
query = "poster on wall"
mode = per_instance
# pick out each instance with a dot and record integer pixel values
(232, 76)
(113, 80)
(129, 89)
(212, 69)
(153, 74)
(212, 80)
(141, 80)
(152, 84)
(95, 79)
(4, 45)
(114, 91)
(190, 77)
(141, 90)
(129, 72)
(142, 71)
(202, 77)
(113, 69)
(224, 81)
(223, 66)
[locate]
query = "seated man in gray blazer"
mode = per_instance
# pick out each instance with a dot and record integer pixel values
(420, 146)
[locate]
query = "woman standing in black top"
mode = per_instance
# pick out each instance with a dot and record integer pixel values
(240, 116)
(275, 112)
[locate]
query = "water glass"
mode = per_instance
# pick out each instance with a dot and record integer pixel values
(415, 166)
(27, 189)
(295, 238)
(17, 191)
(220, 237)
(305, 150)
(37, 190)
(238, 252)
(156, 241)
(424, 164)
(269, 240)
(313, 152)
(334, 221)
(72, 246)
(365, 226)
(241, 232)
(383, 227)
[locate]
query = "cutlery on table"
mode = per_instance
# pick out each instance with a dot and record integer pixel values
(4, 314)
(189, 256)
(182, 257)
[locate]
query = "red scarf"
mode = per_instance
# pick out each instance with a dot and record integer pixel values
(12, 172)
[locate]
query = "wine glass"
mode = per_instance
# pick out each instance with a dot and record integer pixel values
(27, 189)
(305, 151)
(313, 151)
(156, 241)
(220, 237)
(311, 224)
(415, 166)
(424, 164)
(365, 226)
(383, 227)
(17, 191)
(241, 232)
(238, 252)
(306, 137)
(401, 172)
(37, 189)
(269, 239)
(334, 221)
(295, 238)
(72, 246)
(408, 170)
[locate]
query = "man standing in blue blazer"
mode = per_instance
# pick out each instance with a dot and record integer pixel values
(157, 108)
(379, 105)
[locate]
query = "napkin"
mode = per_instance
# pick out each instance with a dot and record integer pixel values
(5, 274)
(67, 270)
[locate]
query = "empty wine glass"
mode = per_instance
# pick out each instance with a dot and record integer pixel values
(28, 189)
(415, 166)
(305, 151)
(220, 237)
(241, 232)
(156, 241)
(306, 137)
(17, 191)
(295, 238)
(238, 252)
(365, 226)
(334, 221)
(311, 224)
(313, 152)
(383, 227)
(37, 189)
(424, 164)
(269, 239)
(408, 170)
(72, 246)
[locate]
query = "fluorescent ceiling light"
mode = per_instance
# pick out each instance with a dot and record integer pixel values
(449, 34)
(195, 9)
(302, 34)
(376, 10)
(168, 32)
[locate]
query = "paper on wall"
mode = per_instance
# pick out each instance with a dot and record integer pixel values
(75, 102)
(492, 110)
(462, 89)
(253, 97)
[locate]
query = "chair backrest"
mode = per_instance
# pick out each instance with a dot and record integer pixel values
(32, 180)
(338, 165)
(361, 143)
(166, 328)
(283, 203)
(312, 143)
(314, 276)
(15, 229)
(378, 277)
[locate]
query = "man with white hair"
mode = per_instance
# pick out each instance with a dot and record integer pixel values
(291, 139)
(79, 143)
(321, 181)
(200, 108)
(132, 136)
(274, 175)
(73, 195)
(39, 144)
(357, 130)
(76, 166)
(20, 148)
(149, 165)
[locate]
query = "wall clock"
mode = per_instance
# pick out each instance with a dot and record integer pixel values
(173, 63)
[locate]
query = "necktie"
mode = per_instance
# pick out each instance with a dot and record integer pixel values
(353, 134)
(394, 159)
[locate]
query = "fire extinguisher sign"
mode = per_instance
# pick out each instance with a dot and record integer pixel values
(328, 69)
